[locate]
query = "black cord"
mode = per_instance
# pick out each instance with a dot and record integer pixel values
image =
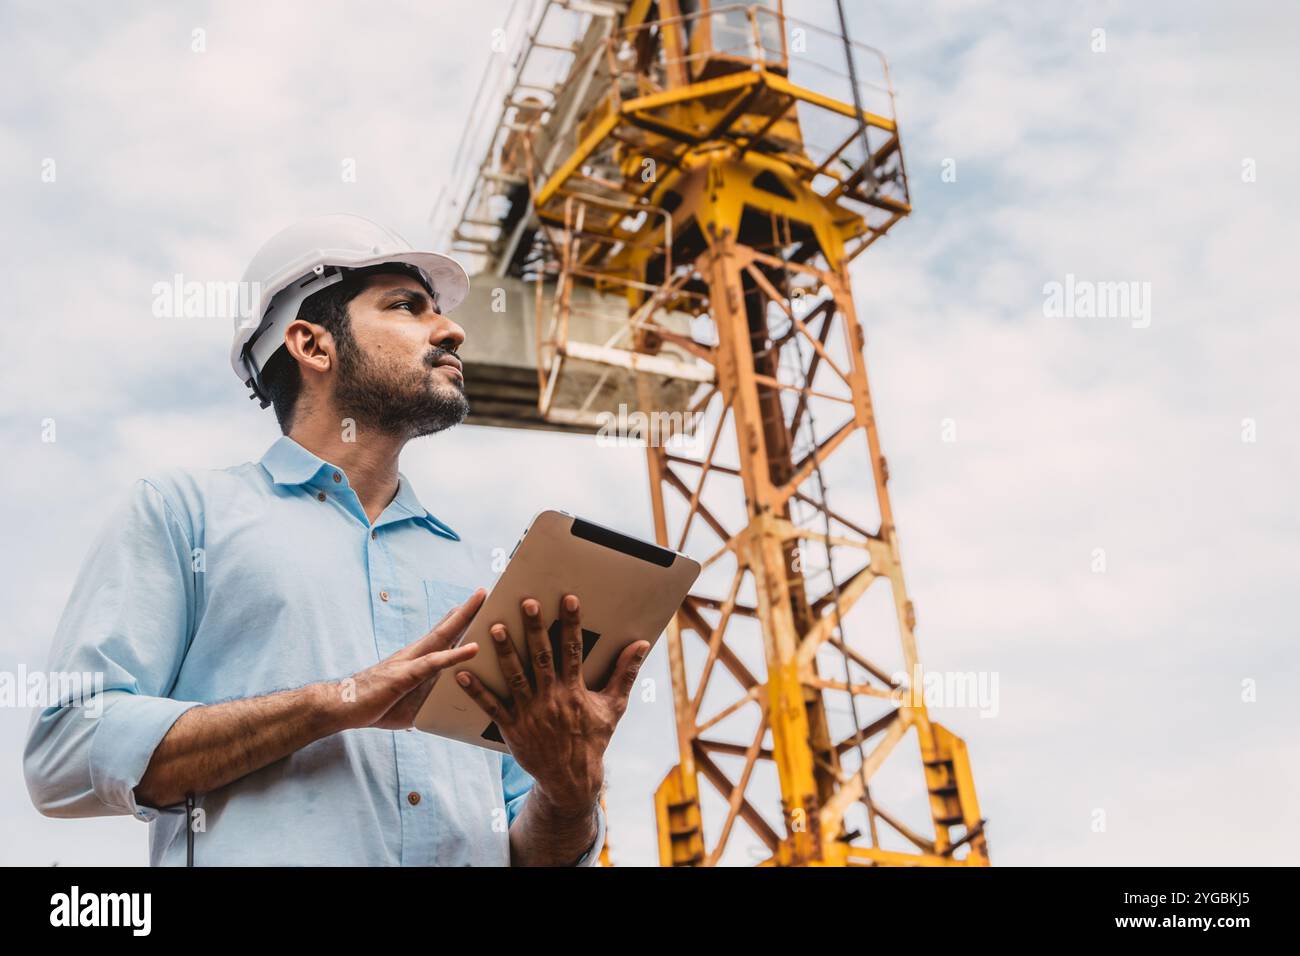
(189, 829)
(868, 173)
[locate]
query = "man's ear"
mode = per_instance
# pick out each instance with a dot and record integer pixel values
(311, 346)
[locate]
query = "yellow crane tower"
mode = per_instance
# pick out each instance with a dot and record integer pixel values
(663, 198)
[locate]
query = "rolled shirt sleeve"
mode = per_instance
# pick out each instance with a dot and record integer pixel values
(517, 783)
(125, 629)
(129, 732)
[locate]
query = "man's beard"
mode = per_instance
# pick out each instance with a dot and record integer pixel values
(409, 404)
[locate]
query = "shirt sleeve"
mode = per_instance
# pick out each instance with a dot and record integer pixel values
(121, 640)
(517, 783)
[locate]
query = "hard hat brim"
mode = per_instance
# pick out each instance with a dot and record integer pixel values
(450, 282)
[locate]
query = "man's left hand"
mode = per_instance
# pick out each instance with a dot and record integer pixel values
(556, 727)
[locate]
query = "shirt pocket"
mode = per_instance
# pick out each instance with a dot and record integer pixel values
(441, 596)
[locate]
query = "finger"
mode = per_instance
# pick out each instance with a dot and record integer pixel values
(539, 646)
(512, 668)
(403, 712)
(571, 641)
(425, 667)
(487, 701)
(621, 682)
(445, 633)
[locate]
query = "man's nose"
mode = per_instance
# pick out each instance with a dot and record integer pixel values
(448, 335)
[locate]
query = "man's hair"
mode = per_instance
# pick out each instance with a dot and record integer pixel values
(281, 376)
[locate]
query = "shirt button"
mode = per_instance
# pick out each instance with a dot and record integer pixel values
(413, 798)
(320, 496)
(374, 535)
(383, 595)
(337, 476)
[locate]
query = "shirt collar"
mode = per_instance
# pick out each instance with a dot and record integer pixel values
(289, 463)
(406, 499)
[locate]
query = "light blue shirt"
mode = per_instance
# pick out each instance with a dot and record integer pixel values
(208, 586)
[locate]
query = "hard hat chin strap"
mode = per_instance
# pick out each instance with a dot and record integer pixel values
(284, 308)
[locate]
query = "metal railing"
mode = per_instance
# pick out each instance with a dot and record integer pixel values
(516, 94)
(640, 60)
(744, 37)
(614, 329)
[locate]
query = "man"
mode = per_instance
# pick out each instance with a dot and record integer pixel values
(268, 632)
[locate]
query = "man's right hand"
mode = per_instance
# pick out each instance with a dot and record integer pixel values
(212, 745)
(390, 693)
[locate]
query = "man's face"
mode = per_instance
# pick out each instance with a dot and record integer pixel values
(396, 369)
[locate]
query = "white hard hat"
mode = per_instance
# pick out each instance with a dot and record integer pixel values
(312, 255)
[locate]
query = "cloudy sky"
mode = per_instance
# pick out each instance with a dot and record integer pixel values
(1159, 691)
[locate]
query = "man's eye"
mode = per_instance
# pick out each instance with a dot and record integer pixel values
(407, 305)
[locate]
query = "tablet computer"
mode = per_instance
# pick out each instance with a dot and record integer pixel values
(628, 591)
